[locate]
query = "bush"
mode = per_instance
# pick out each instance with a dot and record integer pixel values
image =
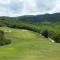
(57, 38)
(3, 40)
(45, 33)
(1, 35)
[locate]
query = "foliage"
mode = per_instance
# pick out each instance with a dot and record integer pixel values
(56, 38)
(45, 33)
(3, 40)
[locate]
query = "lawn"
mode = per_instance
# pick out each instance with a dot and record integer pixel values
(28, 45)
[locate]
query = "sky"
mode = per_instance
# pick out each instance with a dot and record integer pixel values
(28, 7)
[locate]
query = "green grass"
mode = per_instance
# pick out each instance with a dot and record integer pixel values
(28, 45)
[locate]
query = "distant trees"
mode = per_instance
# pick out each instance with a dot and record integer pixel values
(3, 40)
(2, 24)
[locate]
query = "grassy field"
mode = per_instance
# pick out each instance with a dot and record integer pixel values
(28, 45)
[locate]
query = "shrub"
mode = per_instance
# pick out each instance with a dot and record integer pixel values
(57, 38)
(45, 33)
(1, 35)
(3, 40)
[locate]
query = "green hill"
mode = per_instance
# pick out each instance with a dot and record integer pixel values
(31, 37)
(28, 45)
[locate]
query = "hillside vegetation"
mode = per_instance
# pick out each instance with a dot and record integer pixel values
(52, 28)
(30, 37)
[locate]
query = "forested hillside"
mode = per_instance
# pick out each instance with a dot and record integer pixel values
(48, 24)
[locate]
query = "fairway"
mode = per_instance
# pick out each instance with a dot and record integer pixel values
(28, 45)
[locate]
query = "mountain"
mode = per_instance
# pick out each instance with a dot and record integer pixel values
(39, 18)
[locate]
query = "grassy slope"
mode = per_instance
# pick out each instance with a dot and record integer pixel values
(28, 45)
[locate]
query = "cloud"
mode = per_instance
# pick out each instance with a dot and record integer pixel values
(28, 7)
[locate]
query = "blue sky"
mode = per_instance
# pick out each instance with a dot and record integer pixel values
(28, 7)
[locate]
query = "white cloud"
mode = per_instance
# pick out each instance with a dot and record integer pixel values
(28, 7)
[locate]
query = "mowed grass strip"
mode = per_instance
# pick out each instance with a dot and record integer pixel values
(28, 45)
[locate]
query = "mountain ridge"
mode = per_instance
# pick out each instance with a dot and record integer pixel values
(37, 18)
